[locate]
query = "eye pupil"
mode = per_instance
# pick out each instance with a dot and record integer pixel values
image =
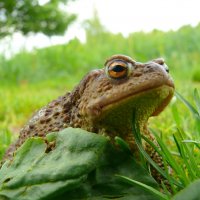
(118, 68)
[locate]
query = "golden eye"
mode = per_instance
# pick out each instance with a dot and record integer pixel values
(117, 70)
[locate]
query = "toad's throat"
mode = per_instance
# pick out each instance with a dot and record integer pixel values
(162, 93)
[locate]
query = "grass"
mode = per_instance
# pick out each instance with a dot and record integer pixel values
(184, 159)
(6, 138)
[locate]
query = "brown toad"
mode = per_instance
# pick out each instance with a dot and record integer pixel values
(104, 101)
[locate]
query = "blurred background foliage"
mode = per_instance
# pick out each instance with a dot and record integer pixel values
(31, 16)
(28, 80)
(179, 48)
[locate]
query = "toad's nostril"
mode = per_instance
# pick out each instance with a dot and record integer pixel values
(149, 68)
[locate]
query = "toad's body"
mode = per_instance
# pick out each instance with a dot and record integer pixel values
(105, 99)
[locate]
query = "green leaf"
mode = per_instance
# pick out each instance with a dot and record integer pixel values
(191, 192)
(102, 183)
(82, 165)
(34, 174)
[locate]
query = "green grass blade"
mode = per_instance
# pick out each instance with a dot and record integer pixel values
(169, 178)
(193, 165)
(146, 187)
(196, 113)
(178, 145)
(162, 154)
(137, 136)
(190, 107)
(197, 102)
(165, 190)
(172, 162)
(193, 142)
(153, 145)
(124, 146)
(197, 99)
(187, 159)
(176, 115)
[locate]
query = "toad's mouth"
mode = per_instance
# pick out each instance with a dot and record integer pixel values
(162, 92)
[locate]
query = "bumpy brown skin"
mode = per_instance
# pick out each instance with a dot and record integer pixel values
(105, 105)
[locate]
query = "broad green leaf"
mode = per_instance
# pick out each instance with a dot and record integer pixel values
(82, 165)
(34, 174)
(191, 192)
(102, 183)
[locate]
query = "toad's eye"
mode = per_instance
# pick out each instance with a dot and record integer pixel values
(118, 69)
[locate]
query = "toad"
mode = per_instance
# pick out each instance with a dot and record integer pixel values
(104, 101)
